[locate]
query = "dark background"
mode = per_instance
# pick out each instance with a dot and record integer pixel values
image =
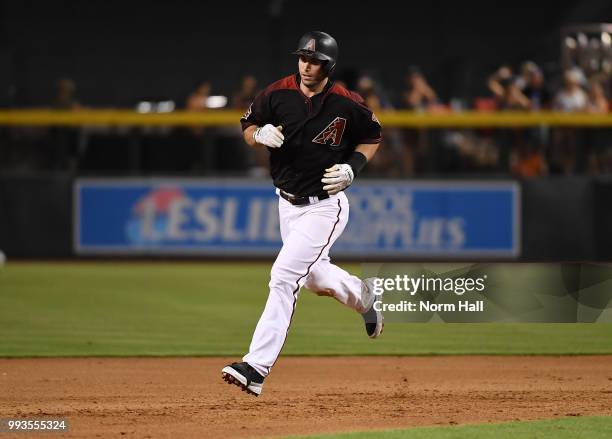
(122, 51)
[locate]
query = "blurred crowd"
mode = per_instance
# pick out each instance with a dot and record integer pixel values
(521, 152)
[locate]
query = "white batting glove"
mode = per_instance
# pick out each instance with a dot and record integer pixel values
(337, 178)
(269, 135)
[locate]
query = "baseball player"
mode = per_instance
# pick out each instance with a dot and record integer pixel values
(320, 136)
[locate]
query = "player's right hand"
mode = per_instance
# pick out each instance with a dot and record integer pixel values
(269, 135)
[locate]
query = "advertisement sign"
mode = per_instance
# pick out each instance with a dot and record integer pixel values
(240, 217)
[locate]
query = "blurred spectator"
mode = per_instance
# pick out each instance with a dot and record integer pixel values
(513, 98)
(366, 88)
(528, 161)
(65, 98)
(527, 158)
(196, 142)
(418, 94)
(256, 159)
(599, 140)
(498, 81)
(197, 100)
(507, 90)
(571, 97)
(532, 86)
(243, 97)
(527, 70)
(597, 102)
(388, 160)
(466, 151)
(417, 155)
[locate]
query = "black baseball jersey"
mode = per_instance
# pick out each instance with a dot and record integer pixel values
(319, 131)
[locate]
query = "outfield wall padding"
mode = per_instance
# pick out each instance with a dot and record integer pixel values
(36, 216)
(558, 219)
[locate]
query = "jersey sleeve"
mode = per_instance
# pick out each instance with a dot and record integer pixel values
(258, 112)
(367, 127)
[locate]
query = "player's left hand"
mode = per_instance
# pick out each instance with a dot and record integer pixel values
(337, 178)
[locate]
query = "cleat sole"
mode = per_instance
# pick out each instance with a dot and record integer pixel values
(232, 380)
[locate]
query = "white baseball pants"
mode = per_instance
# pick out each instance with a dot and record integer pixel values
(307, 232)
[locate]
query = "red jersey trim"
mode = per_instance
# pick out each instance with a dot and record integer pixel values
(339, 90)
(355, 97)
(287, 83)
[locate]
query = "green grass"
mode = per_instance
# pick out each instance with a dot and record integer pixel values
(119, 309)
(570, 428)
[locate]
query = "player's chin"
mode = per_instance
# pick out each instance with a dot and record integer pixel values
(309, 81)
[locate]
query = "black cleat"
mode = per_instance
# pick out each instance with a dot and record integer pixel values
(374, 322)
(244, 376)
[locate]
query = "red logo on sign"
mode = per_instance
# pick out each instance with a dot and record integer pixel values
(332, 132)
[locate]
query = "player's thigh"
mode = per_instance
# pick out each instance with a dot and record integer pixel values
(295, 259)
(323, 224)
(304, 247)
(286, 215)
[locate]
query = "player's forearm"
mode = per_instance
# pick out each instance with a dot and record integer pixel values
(248, 135)
(362, 155)
(368, 149)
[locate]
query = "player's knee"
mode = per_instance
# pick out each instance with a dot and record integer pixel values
(313, 284)
(281, 276)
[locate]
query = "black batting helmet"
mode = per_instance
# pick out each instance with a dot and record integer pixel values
(321, 46)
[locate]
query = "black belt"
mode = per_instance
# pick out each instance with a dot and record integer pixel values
(302, 201)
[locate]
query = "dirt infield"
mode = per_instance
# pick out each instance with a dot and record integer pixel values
(185, 397)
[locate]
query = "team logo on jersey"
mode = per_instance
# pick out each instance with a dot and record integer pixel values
(332, 132)
(310, 45)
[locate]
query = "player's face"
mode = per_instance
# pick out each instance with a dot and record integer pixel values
(311, 71)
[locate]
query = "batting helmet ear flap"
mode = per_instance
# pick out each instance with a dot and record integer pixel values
(321, 46)
(328, 67)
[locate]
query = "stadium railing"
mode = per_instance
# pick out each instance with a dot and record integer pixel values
(407, 119)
